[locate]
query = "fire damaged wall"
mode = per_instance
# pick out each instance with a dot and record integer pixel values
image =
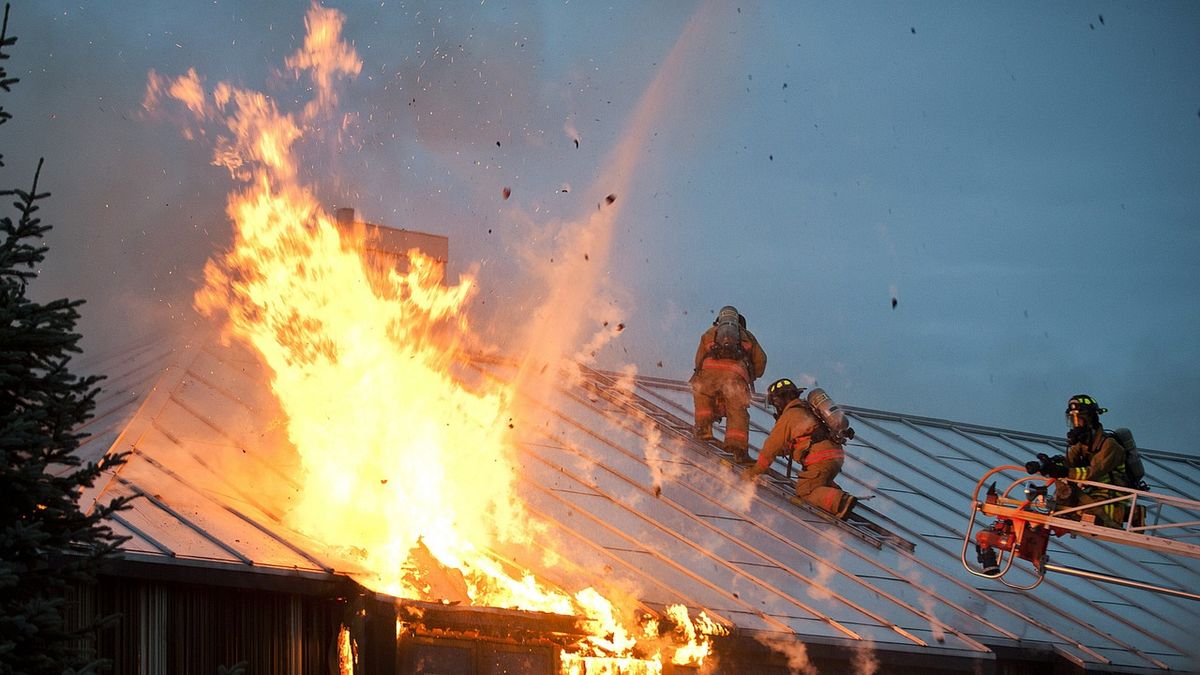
(177, 619)
(436, 638)
(184, 620)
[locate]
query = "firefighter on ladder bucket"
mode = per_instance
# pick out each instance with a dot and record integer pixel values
(1093, 455)
(728, 360)
(800, 430)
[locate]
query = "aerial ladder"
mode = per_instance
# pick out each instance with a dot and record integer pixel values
(1026, 517)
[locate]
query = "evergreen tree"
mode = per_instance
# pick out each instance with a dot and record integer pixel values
(48, 547)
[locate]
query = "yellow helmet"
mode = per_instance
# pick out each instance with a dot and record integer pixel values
(1083, 411)
(782, 392)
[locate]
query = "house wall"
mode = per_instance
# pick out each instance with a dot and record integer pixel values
(171, 628)
(178, 621)
(427, 656)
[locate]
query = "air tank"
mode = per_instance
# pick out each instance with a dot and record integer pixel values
(824, 406)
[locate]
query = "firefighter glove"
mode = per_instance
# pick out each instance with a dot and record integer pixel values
(751, 474)
(1051, 467)
(1055, 471)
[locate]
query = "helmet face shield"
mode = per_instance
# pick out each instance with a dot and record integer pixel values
(1083, 412)
(1083, 418)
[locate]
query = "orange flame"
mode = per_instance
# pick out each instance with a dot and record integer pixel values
(347, 652)
(401, 459)
(694, 636)
(396, 451)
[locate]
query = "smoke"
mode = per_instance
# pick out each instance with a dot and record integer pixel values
(570, 130)
(741, 496)
(661, 464)
(609, 315)
(865, 662)
(871, 487)
(575, 276)
(792, 649)
(907, 570)
(661, 468)
(823, 568)
(819, 588)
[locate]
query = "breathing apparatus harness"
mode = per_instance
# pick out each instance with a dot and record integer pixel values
(833, 421)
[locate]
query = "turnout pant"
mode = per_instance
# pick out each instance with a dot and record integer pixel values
(815, 485)
(734, 390)
(1110, 515)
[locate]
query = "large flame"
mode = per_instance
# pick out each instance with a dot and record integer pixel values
(394, 448)
(405, 466)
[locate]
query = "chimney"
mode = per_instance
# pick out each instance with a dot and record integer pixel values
(388, 247)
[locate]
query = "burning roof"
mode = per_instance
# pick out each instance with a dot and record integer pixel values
(345, 424)
(631, 504)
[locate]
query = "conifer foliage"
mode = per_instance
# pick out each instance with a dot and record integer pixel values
(48, 546)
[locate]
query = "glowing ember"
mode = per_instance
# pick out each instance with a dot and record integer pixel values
(406, 469)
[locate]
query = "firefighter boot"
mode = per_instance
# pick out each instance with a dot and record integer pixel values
(741, 456)
(847, 506)
(703, 431)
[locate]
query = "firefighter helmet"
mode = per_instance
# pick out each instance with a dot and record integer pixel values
(782, 392)
(1083, 411)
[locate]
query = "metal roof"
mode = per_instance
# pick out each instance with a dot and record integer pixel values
(639, 505)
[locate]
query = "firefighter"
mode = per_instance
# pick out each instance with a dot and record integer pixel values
(799, 430)
(728, 360)
(1093, 455)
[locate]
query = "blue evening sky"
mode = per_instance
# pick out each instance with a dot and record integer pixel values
(1022, 177)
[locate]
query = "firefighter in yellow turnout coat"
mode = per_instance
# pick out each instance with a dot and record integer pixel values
(1094, 456)
(728, 360)
(799, 431)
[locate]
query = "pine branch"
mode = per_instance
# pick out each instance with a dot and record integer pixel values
(6, 82)
(18, 259)
(5, 39)
(48, 545)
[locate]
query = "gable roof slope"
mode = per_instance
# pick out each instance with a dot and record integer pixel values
(639, 505)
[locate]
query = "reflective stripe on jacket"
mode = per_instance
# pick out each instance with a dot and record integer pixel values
(727, 365)
(830, 450)
(1101, 461)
